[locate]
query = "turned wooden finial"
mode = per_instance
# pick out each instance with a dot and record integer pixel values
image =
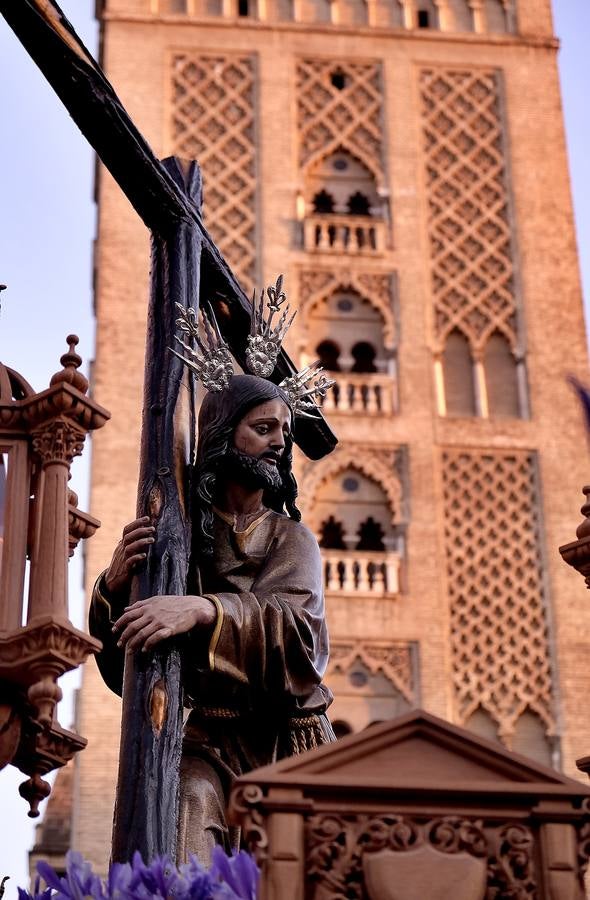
(71, 361)
(583, 529)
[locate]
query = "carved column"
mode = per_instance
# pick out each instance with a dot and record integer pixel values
(284, 872)
(479, 16)
(560, 860)
(408, 13)
(445, 17)
(55, 443)
(372, 13)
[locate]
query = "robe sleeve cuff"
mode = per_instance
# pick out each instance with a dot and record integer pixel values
(101, 598)
(217, 630)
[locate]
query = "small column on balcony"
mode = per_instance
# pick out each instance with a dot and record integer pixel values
(392, 573)
(479, 16)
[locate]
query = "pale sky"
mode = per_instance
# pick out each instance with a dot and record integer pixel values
(47, 225)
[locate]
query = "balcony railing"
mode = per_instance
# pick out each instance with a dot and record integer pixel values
(370, 393)
(370, 572)
(331, 233)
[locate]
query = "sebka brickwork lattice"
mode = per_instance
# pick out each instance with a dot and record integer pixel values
(500, 647)
(469, 206)
(339, 107)
(213, 120)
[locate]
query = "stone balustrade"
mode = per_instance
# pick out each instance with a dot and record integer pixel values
(331, 233)
(371, 572)
(371, 393)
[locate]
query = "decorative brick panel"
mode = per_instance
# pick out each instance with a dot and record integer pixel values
(213, 121)
(499, 629)
(339, 106)
(469, 219)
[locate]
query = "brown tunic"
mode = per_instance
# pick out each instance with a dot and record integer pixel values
(255, 691)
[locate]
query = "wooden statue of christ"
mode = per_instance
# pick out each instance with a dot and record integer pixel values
(253, 638)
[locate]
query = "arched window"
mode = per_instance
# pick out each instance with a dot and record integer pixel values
(363, 697)
(363, 354)
(328, 354)
(323, 202)
(332, 534)
(501, 377)
(358, 204)
(530, 738)
(495, 16)
(341, 728)
(342, 321)
(426, 14)
(244, 7)
(352, 508)
(458, 376)
(173, 6)
(370, 535)
(342, 177)
(482, 724)
(285, 10)
(353, 12)
(462, 15)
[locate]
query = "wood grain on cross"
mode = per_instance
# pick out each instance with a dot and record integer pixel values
(185, 262)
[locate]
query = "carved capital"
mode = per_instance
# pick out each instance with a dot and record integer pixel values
(246, 808)
(34, 657)
(58, 441)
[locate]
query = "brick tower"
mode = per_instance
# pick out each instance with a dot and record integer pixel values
(403, 163)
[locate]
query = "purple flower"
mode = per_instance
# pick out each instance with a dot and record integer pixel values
(199, 884)
(37, 894)
(230, 878)
(239, 872)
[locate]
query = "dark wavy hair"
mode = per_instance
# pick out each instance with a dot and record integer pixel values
(219, 415)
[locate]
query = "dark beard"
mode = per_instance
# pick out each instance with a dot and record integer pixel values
(250, 471)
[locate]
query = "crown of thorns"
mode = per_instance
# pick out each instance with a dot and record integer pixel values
(208, 356)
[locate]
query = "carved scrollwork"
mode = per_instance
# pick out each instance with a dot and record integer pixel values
(390, 833)
(246, 804)
(451, 834)
(510, 870)
(328, 858)
(58, 441)
(337, 847)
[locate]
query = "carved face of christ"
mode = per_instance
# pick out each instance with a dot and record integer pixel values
(259, 443)
(263, 430)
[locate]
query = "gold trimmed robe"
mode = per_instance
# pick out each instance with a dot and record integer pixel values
(255, 688)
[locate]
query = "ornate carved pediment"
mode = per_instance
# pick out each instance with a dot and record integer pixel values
(414, 809)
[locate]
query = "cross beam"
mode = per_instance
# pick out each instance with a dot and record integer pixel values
(90, 99)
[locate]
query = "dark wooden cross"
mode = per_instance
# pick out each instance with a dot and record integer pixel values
(185, 265)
